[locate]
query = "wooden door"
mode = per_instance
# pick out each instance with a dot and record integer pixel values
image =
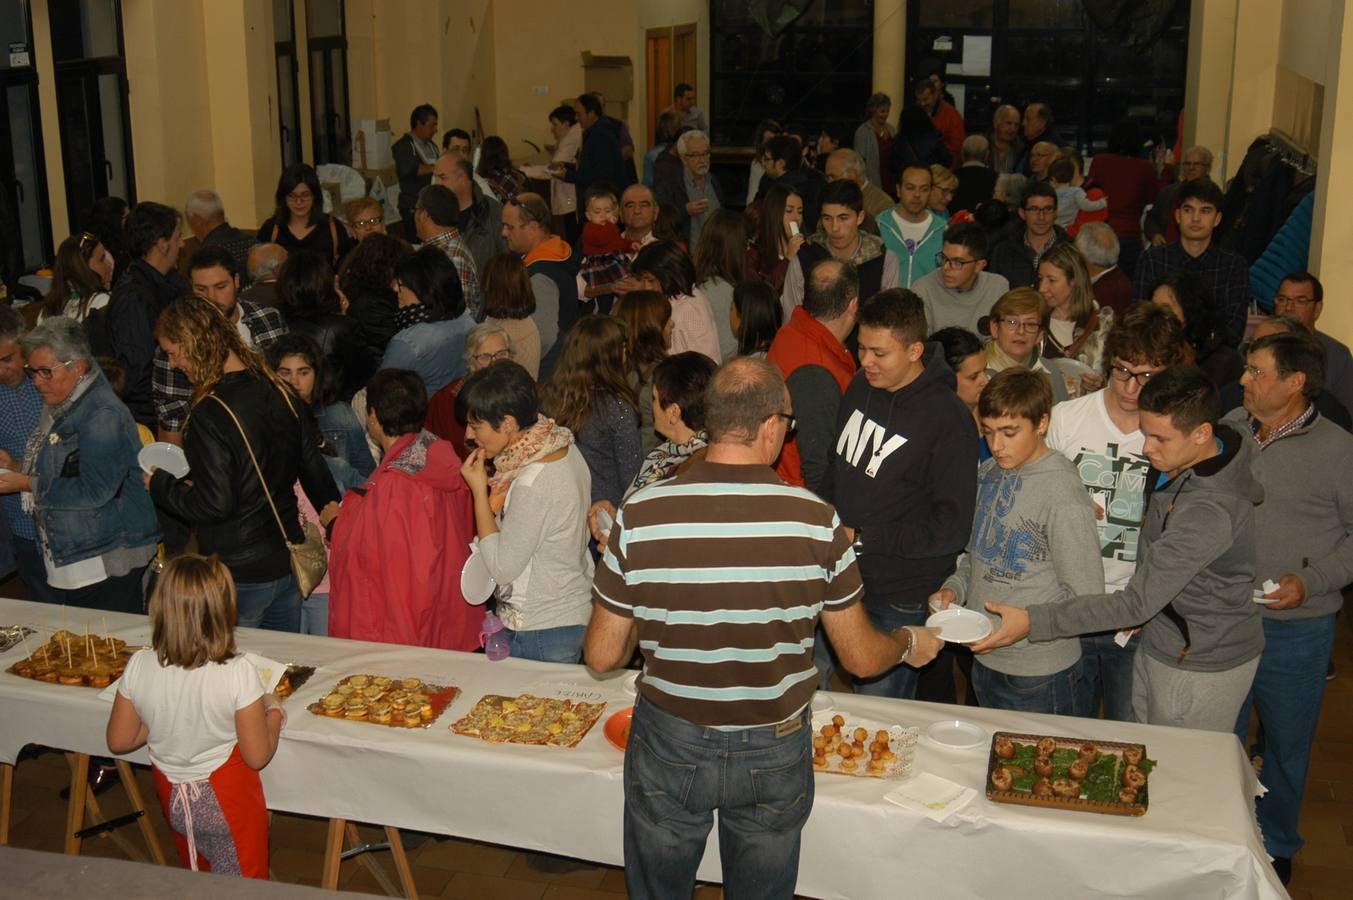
(659, 75)
(683, 61)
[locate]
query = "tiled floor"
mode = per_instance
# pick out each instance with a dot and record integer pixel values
(467, 869)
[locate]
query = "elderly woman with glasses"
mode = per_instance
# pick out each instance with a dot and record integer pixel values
(1016, 327)
(299, 222)
(79, 476)
(486, 343)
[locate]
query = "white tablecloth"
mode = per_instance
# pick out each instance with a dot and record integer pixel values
(1198, 840)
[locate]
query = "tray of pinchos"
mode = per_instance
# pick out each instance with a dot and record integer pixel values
(77, 660)
(528, 719)
(1107, 777)
(862, 747)
(383, 700)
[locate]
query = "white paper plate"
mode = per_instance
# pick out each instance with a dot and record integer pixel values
(956, 734)
(162, 455)
(1260, 598)
(476, 584)
(960, 626)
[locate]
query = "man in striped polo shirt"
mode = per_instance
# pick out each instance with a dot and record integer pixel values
(719, 576)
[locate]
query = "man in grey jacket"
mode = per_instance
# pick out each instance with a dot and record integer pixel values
(1194, 580)
(1307, 522)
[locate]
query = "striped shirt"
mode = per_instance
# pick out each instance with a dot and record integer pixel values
(725, 568)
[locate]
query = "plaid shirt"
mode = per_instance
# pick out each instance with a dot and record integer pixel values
(450, 243)
(602, 269)
(1224, 274)
(20, 409)
(171, 389)
(1283, 430)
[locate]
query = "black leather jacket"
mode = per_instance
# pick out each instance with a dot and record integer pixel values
(221, 495)
(346, 353)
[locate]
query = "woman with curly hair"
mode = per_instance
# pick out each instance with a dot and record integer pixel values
(366, 288)
(589, 394)
(648, 319)
(248, 440)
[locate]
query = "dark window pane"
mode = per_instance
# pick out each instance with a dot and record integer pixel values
(1045, 13)
(955, 13)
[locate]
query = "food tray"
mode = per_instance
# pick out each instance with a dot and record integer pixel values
(901, 744)
(528, 719)
(293, 679)
(12, 635)
(386, 701)
(76, 660)
(1098, 792)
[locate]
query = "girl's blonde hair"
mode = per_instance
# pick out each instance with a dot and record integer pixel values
(205, 340)
(192, 612)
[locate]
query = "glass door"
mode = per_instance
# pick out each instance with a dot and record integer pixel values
(327, 45)
(25, 219)
(288, 97)
(91, 95)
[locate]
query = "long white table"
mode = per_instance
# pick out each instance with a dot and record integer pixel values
(1198, 840)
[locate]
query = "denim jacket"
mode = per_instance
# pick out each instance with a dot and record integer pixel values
(90, 499)
(435, 350)
(351, 465)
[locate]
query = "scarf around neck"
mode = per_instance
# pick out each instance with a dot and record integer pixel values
(540, 440)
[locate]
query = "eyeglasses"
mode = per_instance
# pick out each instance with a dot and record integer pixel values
(1255, 372)
(791, 422)
(952, 262)
(1018, 325)
(1300, 302)
(368, 223)
(1119, 373)
(483, 359)
(704, 154)
(300, 196)
(44, 372)
(1040, 210)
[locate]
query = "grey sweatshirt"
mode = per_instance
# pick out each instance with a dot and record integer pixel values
(1197, 550)
(944, 307)
(1033, 541)
(1307, 514)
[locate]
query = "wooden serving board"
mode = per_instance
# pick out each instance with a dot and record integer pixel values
(1111, 749)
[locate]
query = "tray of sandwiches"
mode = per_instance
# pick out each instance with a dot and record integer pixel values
(383, 700)
(77, 660)
(1069, 773)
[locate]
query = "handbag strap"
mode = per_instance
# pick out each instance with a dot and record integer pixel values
(261, 480)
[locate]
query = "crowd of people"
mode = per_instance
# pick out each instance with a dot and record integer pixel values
(757, 448)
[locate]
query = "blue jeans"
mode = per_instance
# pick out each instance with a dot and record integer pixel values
(1287, 692)
(315, 615)
(677, 773)
(33, 571)
(1057, 694)
(1106, 674)
(274, 605)
(898, 682)
(563, 644)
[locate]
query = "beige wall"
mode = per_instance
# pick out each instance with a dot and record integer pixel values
(1332, 232)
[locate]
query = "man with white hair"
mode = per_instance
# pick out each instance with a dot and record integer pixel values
(1159, 227)
(205, 214)
(976, 179)
(848, 164)
(1099, 245)
(697, 193)
(264, 262)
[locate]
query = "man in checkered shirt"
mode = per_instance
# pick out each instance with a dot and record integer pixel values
(1223, 274)
(213, 279)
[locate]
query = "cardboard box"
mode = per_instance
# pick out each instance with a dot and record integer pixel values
(371, 141)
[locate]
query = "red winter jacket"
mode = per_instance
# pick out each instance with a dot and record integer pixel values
(398, 548)
(804, 341)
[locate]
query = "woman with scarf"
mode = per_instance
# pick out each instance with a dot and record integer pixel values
(530, 514)
(79, 477)
(679, 384)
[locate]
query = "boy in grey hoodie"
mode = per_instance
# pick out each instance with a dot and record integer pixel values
(1033, 541)
(1195, 572)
